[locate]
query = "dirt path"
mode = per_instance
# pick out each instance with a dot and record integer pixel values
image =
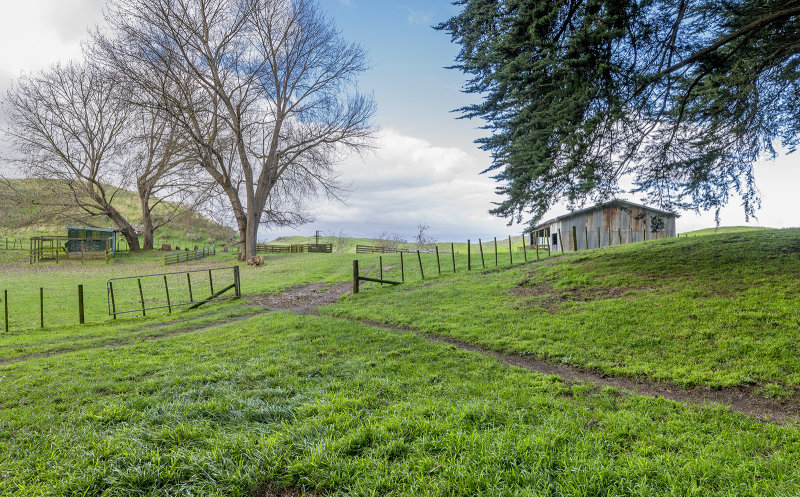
(744, 399)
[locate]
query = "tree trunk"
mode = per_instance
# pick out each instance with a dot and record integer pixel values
(124, 226)
(147, 220)
(251, 237)
(132, 238)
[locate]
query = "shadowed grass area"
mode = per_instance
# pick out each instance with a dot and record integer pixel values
(715, 310)
(309, 403)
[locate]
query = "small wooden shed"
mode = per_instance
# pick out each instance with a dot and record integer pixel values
(90, 239)
(610, 223)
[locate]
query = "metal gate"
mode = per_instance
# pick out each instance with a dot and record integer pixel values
(167, 290)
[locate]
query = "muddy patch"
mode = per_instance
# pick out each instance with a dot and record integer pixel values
(552, 299)
(304, 299)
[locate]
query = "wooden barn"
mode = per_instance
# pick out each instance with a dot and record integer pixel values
(611, 223)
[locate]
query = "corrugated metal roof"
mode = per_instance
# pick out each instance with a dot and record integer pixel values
(599, 206)
(92, 228)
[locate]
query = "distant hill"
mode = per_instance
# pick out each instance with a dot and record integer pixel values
(725, 229)
(25, 211)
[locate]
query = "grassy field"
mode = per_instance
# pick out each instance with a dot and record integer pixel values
(280, 271)
(283, 403)
(232, 399)
(715, 310)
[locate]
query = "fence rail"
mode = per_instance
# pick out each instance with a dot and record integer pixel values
(191, 255)
(266, 248)
(168, 290)
(378, 249)
(296, 248)
(12, 244)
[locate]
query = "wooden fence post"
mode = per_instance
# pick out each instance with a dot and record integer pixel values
(619, 234)
(189, 284)
(524, 248)
(380, 263)
(141, 295)
(80, 304)
(5, 308)
(166, 289)
(537, 247)
(355, 275)
(210, 282)
(483, 262)
(453, 255)
(598, 237)
(469, 257)
(586, 237)
(438, 264)
(113, 302)
(495, 251)
(237, 279)
(402, 269)
(510, 252)
(574, 239)
(419, 258)
(41, 307)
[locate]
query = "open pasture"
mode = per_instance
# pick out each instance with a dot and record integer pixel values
(242, 399)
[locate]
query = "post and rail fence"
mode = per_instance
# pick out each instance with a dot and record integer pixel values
(189, 255)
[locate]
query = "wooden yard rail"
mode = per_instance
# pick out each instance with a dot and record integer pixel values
(296, 248)
(191, 255)
(378, 249)
(313, 248)
(11, 244)
(56, 248)
(266, 248)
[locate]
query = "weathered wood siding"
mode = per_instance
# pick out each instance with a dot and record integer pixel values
(610, 225)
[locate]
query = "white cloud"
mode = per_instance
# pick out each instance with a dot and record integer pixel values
(411, 181)
(419, 17)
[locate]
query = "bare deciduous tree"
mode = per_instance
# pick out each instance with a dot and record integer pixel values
(162, 169)
(423, 238)
(67, 124)
(266, 90)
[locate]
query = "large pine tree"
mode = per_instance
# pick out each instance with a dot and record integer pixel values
(678, 97)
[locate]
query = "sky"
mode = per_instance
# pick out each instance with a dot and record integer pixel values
(426, 168)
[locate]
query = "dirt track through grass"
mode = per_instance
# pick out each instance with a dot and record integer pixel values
(307, 299)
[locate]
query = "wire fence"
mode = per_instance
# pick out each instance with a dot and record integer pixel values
(400, 267)
(27, 307)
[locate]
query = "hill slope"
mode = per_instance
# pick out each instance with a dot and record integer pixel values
(718, 310)
(24, 211)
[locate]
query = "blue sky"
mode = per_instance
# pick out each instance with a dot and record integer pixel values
(426, 168)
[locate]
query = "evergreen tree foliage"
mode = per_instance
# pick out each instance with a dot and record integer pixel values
(679, 98)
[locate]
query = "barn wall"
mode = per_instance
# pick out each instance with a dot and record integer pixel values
(610, 225)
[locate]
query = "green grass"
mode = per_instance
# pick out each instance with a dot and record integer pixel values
(60, 282)
(721, 230)
(188, 229)
(717, 311)
(282, 401)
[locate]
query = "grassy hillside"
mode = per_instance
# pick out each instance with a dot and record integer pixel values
(717, 310)
(348, 244)
(237, 399)
(32, 216)
(721, 230)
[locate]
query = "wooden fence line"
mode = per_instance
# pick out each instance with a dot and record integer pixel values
(191, 255)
